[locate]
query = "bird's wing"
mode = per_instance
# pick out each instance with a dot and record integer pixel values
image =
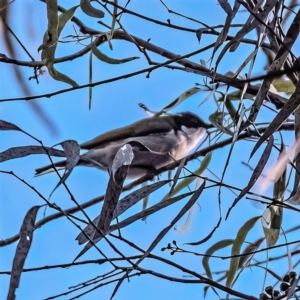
(141, 128)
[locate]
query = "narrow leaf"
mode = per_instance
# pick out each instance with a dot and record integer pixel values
(185, 182)
(91, 11)
(210, 251)
(256, 173)
(272, 217)
(186, 207)
(124, 156)
(101, 56)
(123, 205)
(72, 152)
(26, 236)
(90, 79)
(284, 113)
(217, 119)
(113, 192)
(17, 152)
(49, 47)
(181, 98)
(147, 212)
(236, 247)
(8, 126)
(51, 36)
(178, 171)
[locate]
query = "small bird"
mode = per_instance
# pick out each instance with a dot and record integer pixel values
(156, 142)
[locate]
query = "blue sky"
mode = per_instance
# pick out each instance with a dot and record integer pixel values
(115, 105)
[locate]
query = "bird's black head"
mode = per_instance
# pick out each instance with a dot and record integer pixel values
(190, 120)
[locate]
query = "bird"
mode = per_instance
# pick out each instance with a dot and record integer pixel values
(156, 142)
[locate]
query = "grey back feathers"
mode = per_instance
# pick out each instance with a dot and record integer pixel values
(155, 141)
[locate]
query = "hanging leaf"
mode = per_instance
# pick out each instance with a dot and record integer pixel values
(210, 251)
(124, 156)
(272, 217)
(123, 205)
(55, 27)
(279, 119)
(185, 182)
(8, 126)
(90, 78)
(26, 236)
(181, 98)
(178, 171)
(51, 35)
(217, 119)
(90, 10)
(143, 214)
(72, 153)
(112, 195)
(101, 56)
(236, 248)
(256, 173)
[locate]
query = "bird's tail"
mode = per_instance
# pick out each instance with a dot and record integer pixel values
(50, 168)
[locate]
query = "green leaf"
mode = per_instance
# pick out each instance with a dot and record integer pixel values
(51, 35)
(100, 55)
(181, 98)
(185, 182)
(272, 217)
(284, 85)
(210, 251)
(55, 28)
(91, 11)
(217, 120)
(236, 248)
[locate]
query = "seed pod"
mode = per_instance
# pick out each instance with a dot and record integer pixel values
(269, 290)
(284, 286)
(263, 296)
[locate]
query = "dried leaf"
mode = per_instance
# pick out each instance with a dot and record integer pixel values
(124, 156)
(183, 229)
(17, 152)
(253, 22)
(72, 153)
(256, 173)
(26, 236)
(8, 126)
(186, 207)
(123, 205)
(113, 192)
(279, 119)
(250, 248)
(138, 216)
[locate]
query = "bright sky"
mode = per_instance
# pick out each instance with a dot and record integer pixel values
(114, 105)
